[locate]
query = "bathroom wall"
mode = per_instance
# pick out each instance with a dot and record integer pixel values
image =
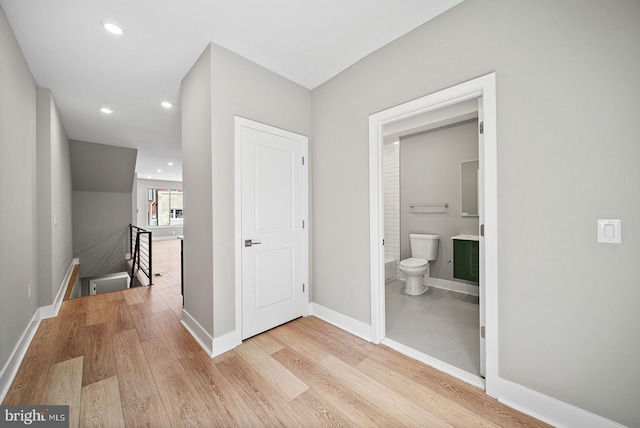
(430, 173)
(391, 165)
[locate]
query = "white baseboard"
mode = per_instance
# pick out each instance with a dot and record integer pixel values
(446, 284)
(548, 409)
(225, 343)
(198, 332)
(12, 365)
(213, 346)
(355, 327)
(460, 287)
(51, 311)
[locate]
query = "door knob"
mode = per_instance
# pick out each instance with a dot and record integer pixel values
(249, 242)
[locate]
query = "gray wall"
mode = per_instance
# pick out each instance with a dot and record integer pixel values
(102, 179)
(195, 92)
(237, 87)
(429, 173)
(141, 204)
(54, 237)
(101, 231)
(102, 167)
(567, 95)
(18, 261)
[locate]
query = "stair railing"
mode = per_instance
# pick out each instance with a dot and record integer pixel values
(140, 249)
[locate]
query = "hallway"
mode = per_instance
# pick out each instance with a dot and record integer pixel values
(124, 359)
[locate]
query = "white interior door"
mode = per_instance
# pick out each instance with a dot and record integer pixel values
(274, 239)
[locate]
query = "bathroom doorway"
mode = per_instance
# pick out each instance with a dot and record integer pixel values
(408, 119)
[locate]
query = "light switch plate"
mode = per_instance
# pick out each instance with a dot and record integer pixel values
(610, 231)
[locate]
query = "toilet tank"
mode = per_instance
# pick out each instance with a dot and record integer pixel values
(424, 246)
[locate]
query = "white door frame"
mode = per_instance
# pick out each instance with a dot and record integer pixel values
(484, 87)
(239, 123)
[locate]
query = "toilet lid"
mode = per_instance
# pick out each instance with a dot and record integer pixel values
(413, 262)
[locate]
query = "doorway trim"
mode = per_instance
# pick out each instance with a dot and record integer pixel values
(483, 87)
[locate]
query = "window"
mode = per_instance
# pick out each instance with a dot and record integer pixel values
(164, 207)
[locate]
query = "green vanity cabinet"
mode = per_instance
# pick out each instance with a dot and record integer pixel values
(466, 259)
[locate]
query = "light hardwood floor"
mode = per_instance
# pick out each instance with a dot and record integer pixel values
(124, 359)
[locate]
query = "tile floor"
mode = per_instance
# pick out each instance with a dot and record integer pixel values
(440, 323)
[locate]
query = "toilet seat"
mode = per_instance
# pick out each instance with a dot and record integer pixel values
(413, 262)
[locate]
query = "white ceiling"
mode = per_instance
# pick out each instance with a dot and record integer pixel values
(68, 51)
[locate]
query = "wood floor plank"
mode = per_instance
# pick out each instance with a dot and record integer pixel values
(398, 407)
(422, 396)
(29, 380)
(299, 343)
(99, 359)
(28, 383)
(256, 393)
(170, 324)
(331, 340)
(184, 405)
(100, 405)
(145, 322)
(72, 307)
(354, 407)
(220, 358)
(69, 341)
(321, 412)
(97, 309)
(142, 405)
(146, 412)
(393, 360)
(155, 301)
(179, 338)
(281, 379)
(120, 320)
(64, 387)
(45, 338)
(474, 399)
(134, 376)
(228, 409)
(267, 342)
(132, 296)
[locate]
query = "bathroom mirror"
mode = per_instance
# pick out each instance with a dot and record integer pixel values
(469, 188)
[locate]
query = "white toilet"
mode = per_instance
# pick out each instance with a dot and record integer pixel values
(424, 248)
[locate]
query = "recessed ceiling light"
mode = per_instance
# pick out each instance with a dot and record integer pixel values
(159, 170)
(396, 142)
(166, 104)
(148, 176)
(170, 164)
(112, 27)
(106, 110)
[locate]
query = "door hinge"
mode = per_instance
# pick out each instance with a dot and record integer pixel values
(482, 127)
(303, 160)
(383, 242)
(482, 332)
(482, 230)
(303, 288)
(303, 224)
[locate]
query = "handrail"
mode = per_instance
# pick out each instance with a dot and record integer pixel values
(141, 249)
